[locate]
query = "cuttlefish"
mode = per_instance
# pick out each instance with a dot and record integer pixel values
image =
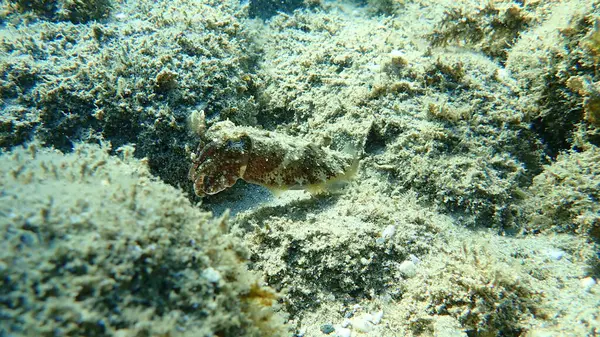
(271, 159)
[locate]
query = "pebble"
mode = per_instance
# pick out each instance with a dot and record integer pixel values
(343, 332)
(28, 239)
(555, 254)
(327, 328)
(377, 317)
(388, 232)
(408, 268)
(414, 259)
(362, 323)
(211, 275)
(587, 283)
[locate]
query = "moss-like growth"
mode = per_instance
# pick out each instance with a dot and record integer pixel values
(564, 196)
(265, 9)
(383, 6)
(473, 288)
(492, 29)
(76, 11)
(93, 245)
(346, 259)
(559, 72)
(80, 11)
(127, 82)
(592, 41)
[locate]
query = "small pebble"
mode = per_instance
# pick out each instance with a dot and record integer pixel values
(211, 275)
(388, 232)
(377, 317)
(362, 324)
(343, 332)
(28, 239)
(327, 328)
(555, 254)
(414, 259)
(408, 268)
(587, 283)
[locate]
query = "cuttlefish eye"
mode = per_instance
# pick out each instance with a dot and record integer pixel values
(240, 146)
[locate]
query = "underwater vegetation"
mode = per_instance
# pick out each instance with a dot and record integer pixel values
(93, 245)
(133, 78)
(128, 128)
(75, 11)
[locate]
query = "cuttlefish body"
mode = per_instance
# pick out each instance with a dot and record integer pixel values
(271, 159)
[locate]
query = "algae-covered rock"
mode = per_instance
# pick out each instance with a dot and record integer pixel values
(332, 257)
(470, 286)
(93, 245)
(491, 29)
(76, 11)
(265, 9)
(556, 65)
(134, 78)
(427, 117)
(564, 198)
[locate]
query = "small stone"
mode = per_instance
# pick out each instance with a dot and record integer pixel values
(27, 239)
(377, 317)
(414, 259)
(588, 283)
(343, 332)
(327, 328)
(555, 254)
(388, 232)
(408, 268)
(362, 324)
(211, 275)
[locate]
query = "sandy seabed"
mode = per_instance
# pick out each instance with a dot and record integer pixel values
(387, 167)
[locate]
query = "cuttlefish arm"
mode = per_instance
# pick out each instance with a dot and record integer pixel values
(220, 164)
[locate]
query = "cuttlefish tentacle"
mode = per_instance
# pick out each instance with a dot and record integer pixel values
(220, 164)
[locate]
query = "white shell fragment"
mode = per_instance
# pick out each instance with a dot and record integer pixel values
(555, 254)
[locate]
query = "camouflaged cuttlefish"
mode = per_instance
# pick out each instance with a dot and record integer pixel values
(270, 159)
